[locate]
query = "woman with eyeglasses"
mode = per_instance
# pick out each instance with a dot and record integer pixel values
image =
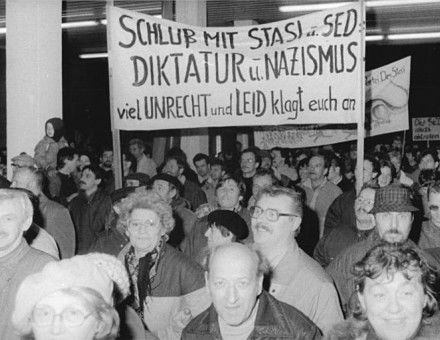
(167, 288)
(71, 299)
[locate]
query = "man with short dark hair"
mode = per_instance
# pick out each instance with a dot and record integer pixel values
(240, 308)
(62, 186)
(56, 219)
(106, 164)
(336, 174)
(90, 208)
(279, 164)
(250, 161)
(203, 167)
(142, 153)
(297, 279)
(217, 171)
(320, 192)
(17, 258)
(175, 166)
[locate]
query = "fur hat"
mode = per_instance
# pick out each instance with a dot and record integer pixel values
(96, 271)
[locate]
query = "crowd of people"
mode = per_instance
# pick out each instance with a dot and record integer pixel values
(253, 244)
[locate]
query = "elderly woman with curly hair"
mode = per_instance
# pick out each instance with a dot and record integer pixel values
(395, 289)
(167, 288)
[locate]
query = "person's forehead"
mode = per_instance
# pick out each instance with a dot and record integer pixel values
(434, 196)
(274, 202)
(428, 158)
(201, 162)
(232, 263)
(248, 155)
(229, 183)
(161, 182)
(316, 160)
(264, 179)
(394, 213)
(171, 162)
(394, 279)
(143, 213)
(10, 206)
(368, 192)
(385, 169)
(88, 172)
(107, 153)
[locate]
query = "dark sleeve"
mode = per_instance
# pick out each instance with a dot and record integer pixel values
(320, 254)
(105, 207)
(334, 215)
(191, 276)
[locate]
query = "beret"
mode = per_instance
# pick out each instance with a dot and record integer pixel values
(231, 221)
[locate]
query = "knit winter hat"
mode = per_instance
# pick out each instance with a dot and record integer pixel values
(58, 127)
(96, 271)
(23, 160)
(231, 221)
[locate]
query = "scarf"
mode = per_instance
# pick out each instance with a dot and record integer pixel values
(142, 272)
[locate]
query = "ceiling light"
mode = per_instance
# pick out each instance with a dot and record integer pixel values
(372, 3)
(93, 55)
(374, 37)
(414, 36)
(311, 7)
(385, 3)
(75, 24)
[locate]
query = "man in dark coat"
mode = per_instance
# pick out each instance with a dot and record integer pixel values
(240, 308)
(90, 208)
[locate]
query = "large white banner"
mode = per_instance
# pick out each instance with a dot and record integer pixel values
(166, 75)
(387, 93)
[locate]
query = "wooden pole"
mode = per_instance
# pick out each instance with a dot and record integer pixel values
(117, 157)
(361, 111)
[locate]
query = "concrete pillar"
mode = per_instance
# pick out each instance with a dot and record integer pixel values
(193, 12)
(33, 71)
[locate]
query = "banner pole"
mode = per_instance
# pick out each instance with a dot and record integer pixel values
(361, 111)
(117, 158)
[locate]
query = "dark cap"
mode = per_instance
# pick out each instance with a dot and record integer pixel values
(170, 179)
(231, 221)
(393, 198)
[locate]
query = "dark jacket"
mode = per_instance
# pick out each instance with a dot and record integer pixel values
(275, 320)
(336, 241)
(341, 212)
(89, 215)
(352, 329)
(194, 194)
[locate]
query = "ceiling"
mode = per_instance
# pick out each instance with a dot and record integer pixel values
(402, 19)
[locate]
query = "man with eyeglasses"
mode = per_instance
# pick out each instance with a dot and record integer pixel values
(17, 258)
(297, 279)
(430, 233)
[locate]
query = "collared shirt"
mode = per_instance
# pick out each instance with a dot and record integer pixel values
(14, 268)
(299, 281)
